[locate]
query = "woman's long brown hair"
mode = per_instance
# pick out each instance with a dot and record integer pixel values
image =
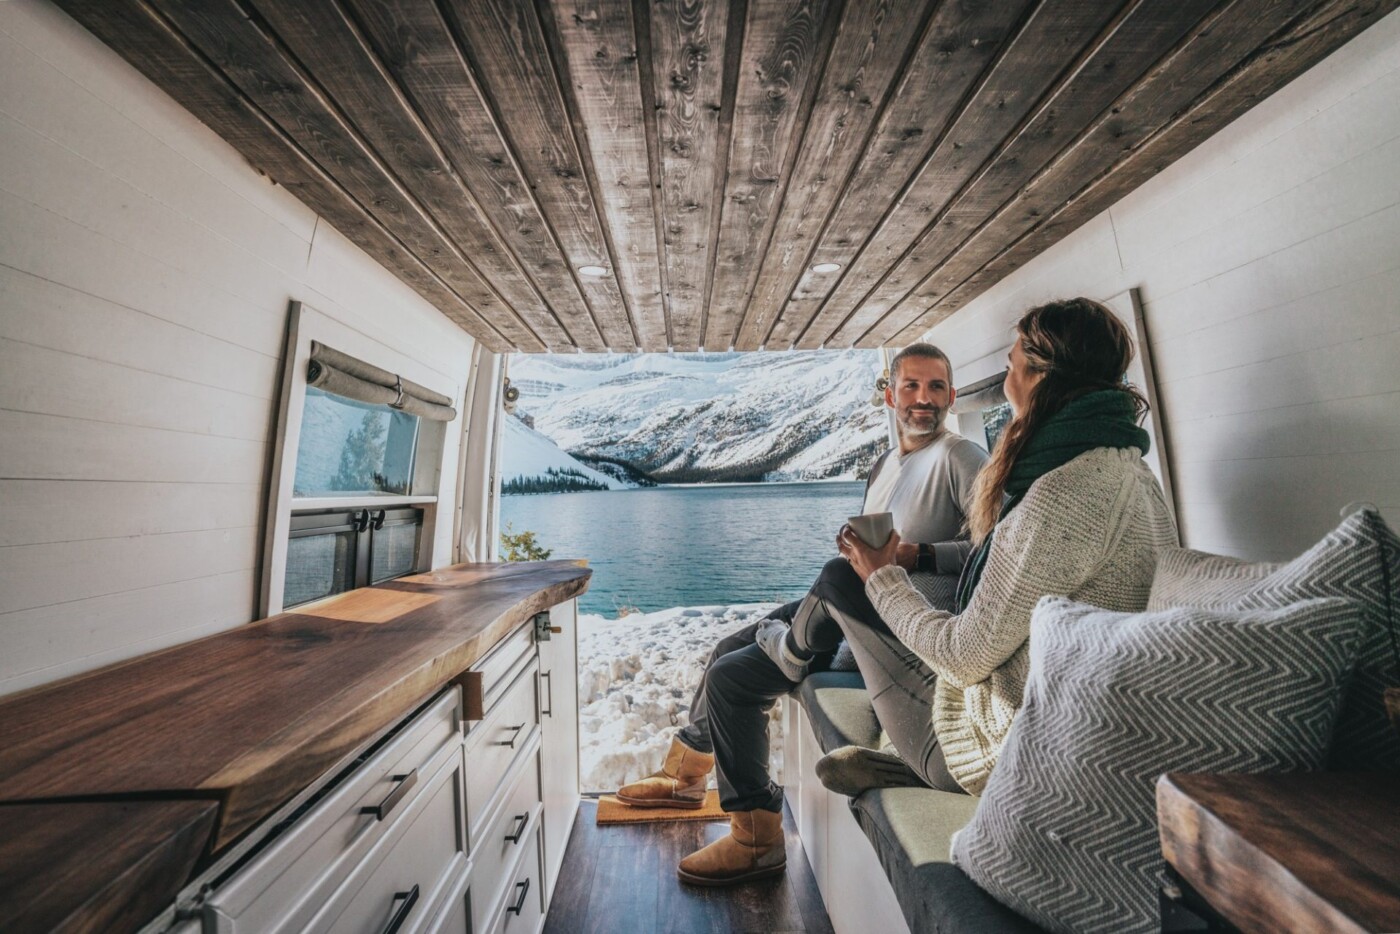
(1080, 347)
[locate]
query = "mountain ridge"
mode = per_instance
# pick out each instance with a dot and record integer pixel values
(701, 418)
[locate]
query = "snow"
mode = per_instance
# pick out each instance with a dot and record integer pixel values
(792, 415)
(637, 675)
(527, 454)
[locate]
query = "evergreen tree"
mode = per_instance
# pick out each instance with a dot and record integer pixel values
(521, 546)
(362, 457)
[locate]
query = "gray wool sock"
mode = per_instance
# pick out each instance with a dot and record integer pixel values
(772, 639)
(853, 769)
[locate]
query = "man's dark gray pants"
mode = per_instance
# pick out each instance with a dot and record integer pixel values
(729, 713)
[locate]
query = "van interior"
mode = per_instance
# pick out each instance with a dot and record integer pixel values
(237, 698)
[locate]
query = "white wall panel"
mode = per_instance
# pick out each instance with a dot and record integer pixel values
(44, 511)
(115, 626)
(145, 277)
(1268, 261)
(46, 314)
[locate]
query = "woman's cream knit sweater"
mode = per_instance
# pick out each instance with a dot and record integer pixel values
(1091, 530)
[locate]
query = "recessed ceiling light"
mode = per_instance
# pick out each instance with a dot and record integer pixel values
(826, 267)
(593, 270)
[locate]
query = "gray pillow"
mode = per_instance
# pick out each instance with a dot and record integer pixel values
(1347, 563)
(1065, 832)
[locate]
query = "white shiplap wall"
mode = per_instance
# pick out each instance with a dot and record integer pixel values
(145, 276)
(1268, 261)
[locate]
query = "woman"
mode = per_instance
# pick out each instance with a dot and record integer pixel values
(1065, 506)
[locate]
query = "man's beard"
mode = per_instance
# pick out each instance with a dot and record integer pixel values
(918, 429)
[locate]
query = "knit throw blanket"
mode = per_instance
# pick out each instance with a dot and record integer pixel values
(1102, 419)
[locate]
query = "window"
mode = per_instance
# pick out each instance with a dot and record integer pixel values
(981, 410)
(358, 465)
(353, 447)
(994, 421)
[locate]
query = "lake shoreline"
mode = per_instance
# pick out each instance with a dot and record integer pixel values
(688, 545)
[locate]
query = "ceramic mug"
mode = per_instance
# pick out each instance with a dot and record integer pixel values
(874, 528)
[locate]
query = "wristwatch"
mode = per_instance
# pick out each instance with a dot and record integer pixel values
(925, 561)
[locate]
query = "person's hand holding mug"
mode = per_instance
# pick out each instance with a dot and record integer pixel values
(863, 558)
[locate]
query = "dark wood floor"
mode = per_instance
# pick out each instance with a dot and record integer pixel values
(622, 878)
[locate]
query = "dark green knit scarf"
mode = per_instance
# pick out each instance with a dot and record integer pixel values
(1102, 419)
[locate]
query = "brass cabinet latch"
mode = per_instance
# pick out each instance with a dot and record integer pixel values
(542, 628)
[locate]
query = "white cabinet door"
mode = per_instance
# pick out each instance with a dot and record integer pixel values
(558, 696)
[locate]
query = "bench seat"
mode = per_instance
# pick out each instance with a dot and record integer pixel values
(910, 828)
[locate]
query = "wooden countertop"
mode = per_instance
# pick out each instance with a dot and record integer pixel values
(251, 716)
(1299, 852)
(99, 866)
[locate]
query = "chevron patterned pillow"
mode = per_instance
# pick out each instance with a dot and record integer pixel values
(1347, 563)
(1065, 832)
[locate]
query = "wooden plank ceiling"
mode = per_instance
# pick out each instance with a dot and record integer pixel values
(710, 156)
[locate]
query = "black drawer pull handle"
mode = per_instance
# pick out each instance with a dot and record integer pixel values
(514, 735)
(520, 902)
(548, 679)
(410, 898)
(520, 821)
(382, 809)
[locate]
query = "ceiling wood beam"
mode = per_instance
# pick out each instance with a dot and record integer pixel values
(646, 67)
(1113, 64)
(261, 67)
(597, 46)
(785, 48)
(953, 53)
(330, 45)
(506, 48)
(160, 52)
(872, 48)
(688, 41)
(1032, 65)
(709, 153)
(1222, 69)
(413, 42)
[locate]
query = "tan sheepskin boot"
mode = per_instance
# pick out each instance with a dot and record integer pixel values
(679, 784)
(753, 850)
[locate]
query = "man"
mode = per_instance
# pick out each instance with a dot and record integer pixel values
(925, 483)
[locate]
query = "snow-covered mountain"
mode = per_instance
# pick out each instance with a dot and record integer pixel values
(529, 457)
(679, 418)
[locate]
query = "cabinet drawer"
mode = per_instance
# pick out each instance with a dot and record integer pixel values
(405, 876)
(492, 675)
(291, 878)
(524, 906)
(453, 916)
(495, 744)
(510, 830)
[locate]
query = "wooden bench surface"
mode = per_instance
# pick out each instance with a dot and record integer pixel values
(1299, 852)
(250, 716)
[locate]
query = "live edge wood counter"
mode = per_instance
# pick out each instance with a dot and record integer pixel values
(1299, 852)
(250, 717)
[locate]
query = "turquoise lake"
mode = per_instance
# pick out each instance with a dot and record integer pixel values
(655, 548)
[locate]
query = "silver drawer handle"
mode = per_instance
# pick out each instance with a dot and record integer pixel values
(410, 898)
(546, 677)
(382, 809)
(520, 902)
(520, 821)
(514, 735)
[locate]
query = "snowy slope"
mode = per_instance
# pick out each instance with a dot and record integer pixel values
(637, 675)
(527, 454)
(711, 417)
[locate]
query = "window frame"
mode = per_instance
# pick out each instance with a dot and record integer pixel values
(306, 324)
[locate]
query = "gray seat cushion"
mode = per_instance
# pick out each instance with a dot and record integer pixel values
(840, 711)
(910, 828)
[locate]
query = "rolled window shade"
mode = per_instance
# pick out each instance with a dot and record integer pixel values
(982, 394)
(335, 372)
